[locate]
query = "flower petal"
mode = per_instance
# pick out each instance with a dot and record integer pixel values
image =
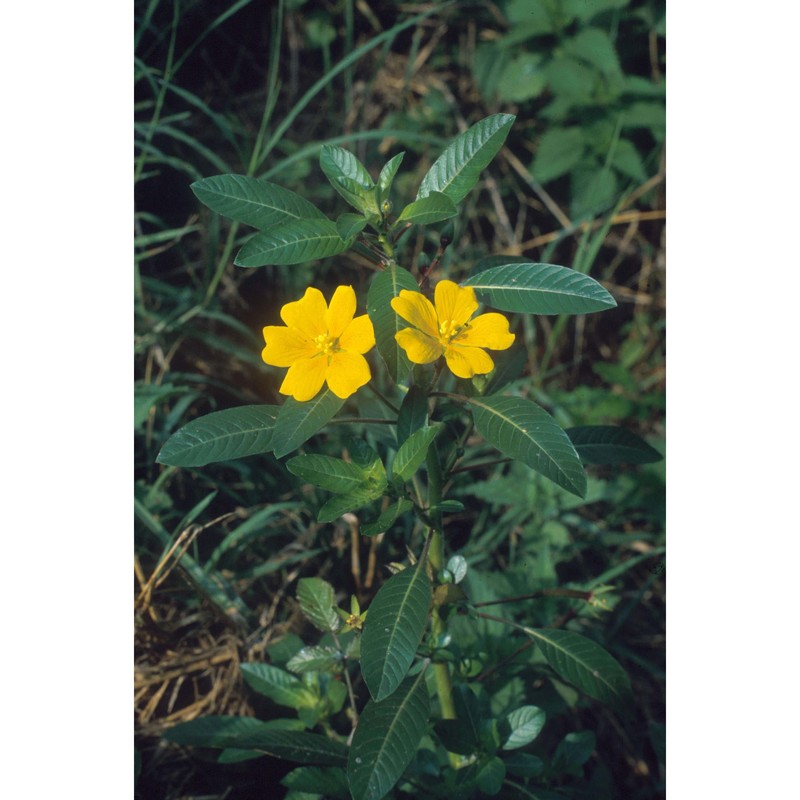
(347, 373)
(307, 314)
(454, 303)
(358, 336)
(341, 310)
(305, 378)
(420, 349)
(284, 346)
(415, 308)
(487, 330)
(468, 361)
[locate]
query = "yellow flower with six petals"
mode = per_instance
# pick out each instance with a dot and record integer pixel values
(320, 344)
(447, 329)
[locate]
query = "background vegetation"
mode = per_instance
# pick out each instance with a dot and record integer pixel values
(231, 87)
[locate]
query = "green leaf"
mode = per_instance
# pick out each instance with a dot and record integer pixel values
(458, 168)
(413, 413)
(608, 444)
(331, 474)
(319, 658)
(433, 208)
(384, 288)
(584, 664)
(388, 172)
(292, 242)
(297, 422)
(593, 46)
(221, 436)
(348, 226)
(522, 79)
(539, 289)
(458, 568)
(526, 724)
(393, 630)
(331, 782)
(573, 751)
(316, 599)
(387, 738)
(253, 201)
(456, 737)
(521, 429)
(349, 177)
(491, 775)
(559, 151)
(248, 733)
(387, 518)
(357, 498)
(281, 687)
(412, 452)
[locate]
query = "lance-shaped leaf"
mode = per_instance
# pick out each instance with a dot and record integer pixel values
(253, 201)
(584, 664)
(349, 177)
(539, 289)
(316, 658)
(386, 739)
(221, 436)
(352, 501)
(521, 429)
(384, 288)
(253, 734)
(328, 782)
(387, 518)
(393, 629)
(458, 168)
(433, 208)
(297, 422)
(327, 472)
(348, 226)
(608, 444)
(239, 732)
(316, 598)
(388, 172)
(292, 242)
(412, 452)
(413, 413)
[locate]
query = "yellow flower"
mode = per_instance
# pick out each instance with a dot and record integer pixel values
(319, 344)
(448, 330)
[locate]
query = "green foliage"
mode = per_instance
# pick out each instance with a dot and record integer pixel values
(454, 700)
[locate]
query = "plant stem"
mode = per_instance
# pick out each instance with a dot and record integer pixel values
(441, 671)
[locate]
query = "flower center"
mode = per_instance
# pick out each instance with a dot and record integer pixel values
(449, 330)
(325, 344)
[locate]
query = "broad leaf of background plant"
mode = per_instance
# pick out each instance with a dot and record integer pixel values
(412, 452)
(328, 782)
(559, 151)
(526, 724)
(521, 429)
(385, 286)
(608, 444)
(298, 422)
(221, 436)
(327, 472)
(539, 289)
(585, 665)
(252, 201)
(252, 734)
(292, 242)
(458, 168)
(316, 598)
(387, 738)
(393, 630)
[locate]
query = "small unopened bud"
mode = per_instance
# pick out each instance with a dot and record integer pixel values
(386, 207)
